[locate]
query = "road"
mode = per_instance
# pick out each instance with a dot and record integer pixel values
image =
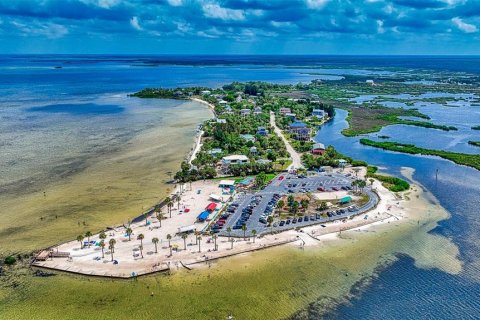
(296, 159)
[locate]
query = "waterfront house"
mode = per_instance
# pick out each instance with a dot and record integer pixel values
(219, 120)
(285, 110)
(205, 92)
(215, 151)
(342, 162)
(318, 149)
(261, 131)
(318, 113)
(234, 159)
(299, 131)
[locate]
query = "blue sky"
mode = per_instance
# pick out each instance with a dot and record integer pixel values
(240, 26)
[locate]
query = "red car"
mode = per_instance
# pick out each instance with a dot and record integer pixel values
(321, 189)
(335, 188)
(281, 178)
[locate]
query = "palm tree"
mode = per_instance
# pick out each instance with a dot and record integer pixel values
(231, 242)
(184, 237)
(102, 245)
(102, 235)
(155, 242)
(88, 234)
(111, 246)
(129, 233)
(371, 182)
(178, 202)
(80, 239)
(229, 230)
(160, 217)
(141, 250)
(141, 237)
(244, 228)
(254, 233)
(270, 222)
(168, 202)
(199, 238)
(145, 215)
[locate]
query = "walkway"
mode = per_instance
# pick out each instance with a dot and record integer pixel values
(296, 159)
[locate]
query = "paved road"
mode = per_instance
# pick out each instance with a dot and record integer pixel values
(296, 159)
(281, 187)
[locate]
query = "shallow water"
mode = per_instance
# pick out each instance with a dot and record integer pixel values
(119, 160)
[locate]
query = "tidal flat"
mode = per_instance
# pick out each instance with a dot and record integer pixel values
(67, 173)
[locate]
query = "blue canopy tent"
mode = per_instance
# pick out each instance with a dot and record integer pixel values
(203, 216)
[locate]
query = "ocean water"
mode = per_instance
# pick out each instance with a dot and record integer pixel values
(59, 123)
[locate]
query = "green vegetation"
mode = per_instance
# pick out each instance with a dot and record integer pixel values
(10, 260)
(474, 143)
(471, 160)
(373, 119)
(384, 137)
(393, 184)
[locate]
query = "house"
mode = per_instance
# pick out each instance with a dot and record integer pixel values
(257, 110)
(205, 92)
(263, 161)
(215, 151)
(245, 112)
(290, 115)
(221, 120)
(253, 150)
(261, 131)
(234, 159)
(238, 98)
(318, 148)
(228, 110)
(247, 137)
(299, 131)
(319, 113)
(285, 110)
(370, 82)
(223, 102)
(342, 162)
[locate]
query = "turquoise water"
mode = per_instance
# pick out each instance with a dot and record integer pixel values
(91, 91)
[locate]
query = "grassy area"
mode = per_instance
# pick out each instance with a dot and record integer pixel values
(474, 143)
(368, 120)
(393, 184)
(471, 160)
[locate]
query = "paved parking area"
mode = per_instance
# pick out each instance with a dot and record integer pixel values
(294, 185)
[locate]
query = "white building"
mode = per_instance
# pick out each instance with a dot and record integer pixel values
(234, 159)
(319, 113)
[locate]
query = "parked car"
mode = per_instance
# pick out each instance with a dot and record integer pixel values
(282, 223)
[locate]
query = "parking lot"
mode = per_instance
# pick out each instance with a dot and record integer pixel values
(248, 209)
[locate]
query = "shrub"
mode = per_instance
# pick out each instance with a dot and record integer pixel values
(10, 260)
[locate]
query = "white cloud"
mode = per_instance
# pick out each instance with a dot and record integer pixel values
(316, 4)
(175, 3)
(380, 28)
(135, 24)
(215, 11)
(49, 30)
(463, 26)
(106, 4)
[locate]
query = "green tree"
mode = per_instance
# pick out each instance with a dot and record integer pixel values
(244, 228)
(145, 216)
(155, 242)
(129, 232)
(102, 235)
(80, 239)
(169, 238)
(229, 231)
(111, 246)
(160, 217)
(214, 237)
(254, 233)
(270, 223)
(141, 237)
(184, 237)
(88, 234)
(323, 205)
(102, 246)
